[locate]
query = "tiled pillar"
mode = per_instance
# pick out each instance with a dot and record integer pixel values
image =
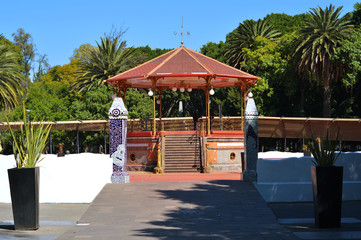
(251, 140)
(118, 116)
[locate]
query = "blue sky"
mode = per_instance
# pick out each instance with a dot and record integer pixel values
(58, 27)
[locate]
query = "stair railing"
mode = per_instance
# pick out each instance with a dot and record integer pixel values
(204, 149)
(161, 144)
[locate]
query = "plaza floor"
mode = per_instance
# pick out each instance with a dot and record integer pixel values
(181, 206)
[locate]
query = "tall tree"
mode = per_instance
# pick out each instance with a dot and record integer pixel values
(286, 23)
(24, 40)
(318, 41)
(244, 36)
(348, 95)
(10, 77)
(98, 63)
(356, 14)
(43, 68)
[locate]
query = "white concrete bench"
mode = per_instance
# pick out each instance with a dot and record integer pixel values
(289, 179)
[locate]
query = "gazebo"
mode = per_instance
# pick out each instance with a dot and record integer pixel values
(184, 69)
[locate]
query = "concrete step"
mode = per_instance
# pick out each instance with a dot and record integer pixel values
(182, 139)
(185, 145)
(182, 145)
(181, 166)
(181, 142)
(185, 162)
(181, 157)
(182, 153)
(176, 170)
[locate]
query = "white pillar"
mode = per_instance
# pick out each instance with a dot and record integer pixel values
(118, 116)
(251, 140)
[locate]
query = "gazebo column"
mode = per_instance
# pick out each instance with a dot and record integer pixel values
(206, 92)
(160, 107)
(160, 91)
(243, 92)
(124, 92)
(154, 127)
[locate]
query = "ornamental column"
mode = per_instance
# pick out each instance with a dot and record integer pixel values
(118, 116)
(251, 140)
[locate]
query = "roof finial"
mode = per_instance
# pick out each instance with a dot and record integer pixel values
(181, 33)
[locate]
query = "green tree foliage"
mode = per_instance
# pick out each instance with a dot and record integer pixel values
(10, 76)
(356, 14)
(265, 61)
(214, 50)
(138, 103)
(285, 23)
(244, 36)
(149, 53)
(318, 40)
(43, 67)
(143, 54)
(347, 97)
(24, 40)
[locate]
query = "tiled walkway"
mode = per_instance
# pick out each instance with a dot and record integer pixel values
(217, 209)
(181, 206)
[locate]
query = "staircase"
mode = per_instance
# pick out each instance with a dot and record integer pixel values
(182, 153)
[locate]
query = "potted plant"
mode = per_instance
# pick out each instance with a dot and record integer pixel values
(326, 182)
(28, 144)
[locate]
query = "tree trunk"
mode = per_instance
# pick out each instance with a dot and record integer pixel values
(326, 98)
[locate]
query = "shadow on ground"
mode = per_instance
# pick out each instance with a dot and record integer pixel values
(222, 209)
(7, 226)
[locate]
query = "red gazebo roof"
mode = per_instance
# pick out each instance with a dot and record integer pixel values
(182, 67)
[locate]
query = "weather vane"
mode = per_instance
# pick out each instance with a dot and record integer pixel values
(181, 33)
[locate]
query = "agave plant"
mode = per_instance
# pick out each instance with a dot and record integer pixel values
(323, 150)
(29, 142)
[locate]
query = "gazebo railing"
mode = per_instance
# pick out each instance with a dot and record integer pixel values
(184, 124)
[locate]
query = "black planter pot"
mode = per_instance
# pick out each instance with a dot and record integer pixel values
(24, 189)
(327, 195)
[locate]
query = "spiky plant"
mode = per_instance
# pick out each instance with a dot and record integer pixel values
(323, 150)
(29, 142)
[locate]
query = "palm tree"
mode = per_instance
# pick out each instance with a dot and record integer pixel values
(10, 78)
(244, 36)
(97, 64)
(318, 40)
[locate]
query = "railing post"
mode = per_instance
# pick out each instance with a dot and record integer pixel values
(251, 140)
(160, 163)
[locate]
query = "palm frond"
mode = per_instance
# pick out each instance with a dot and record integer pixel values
(98, 63)
(10, 79)
(245, 36)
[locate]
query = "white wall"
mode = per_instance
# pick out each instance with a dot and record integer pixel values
(289, 179)
(75, 178)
